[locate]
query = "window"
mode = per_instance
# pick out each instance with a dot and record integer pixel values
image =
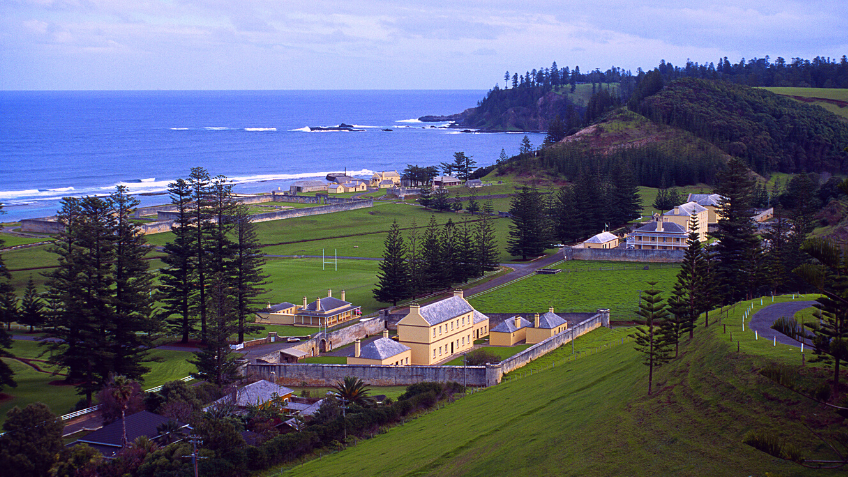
(434, 352)
(463, 341)
(440, 329)
(440, 350)
(451, 325)
(434, 332)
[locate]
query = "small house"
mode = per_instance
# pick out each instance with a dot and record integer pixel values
(446, 181)
(324, 311)
(510, 331)
(108, 440)
(382, 352)
(602, 240)
(545, 326)
(261, 394)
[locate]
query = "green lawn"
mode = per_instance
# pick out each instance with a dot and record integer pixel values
(503, 352)
(581, 287)
(34, 386)
(325, 360)
(592, 417)
(14, 240)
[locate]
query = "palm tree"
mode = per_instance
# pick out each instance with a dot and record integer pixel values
(121, 390)
(353, 390)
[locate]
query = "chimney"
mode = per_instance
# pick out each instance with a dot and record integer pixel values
(457, 292)
(329, 293)
(676, 210)
(550, 309)
(385, 333)
(318, 303)
(536, 320)
(269, 305)
(357, 347)
(304, 302)
(658, 220)
(343, 295)
(517, 321)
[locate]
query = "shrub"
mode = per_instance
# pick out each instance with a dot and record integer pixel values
(773, 445)
(822, 392)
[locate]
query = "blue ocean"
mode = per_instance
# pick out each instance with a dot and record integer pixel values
(56, 144)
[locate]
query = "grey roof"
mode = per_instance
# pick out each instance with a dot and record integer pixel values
(278, 307)
(508, 325)
(310, 183)
(686, 209)
(325, 304)
(478, 317)
(296, 353)
(602, 237)
(473, 182)
(387, 182)
(550, 321)
(704, 199)
(107, 439)
(382, 348)
(446, 179)
(257, 393)
(444, 310)
(668, 227)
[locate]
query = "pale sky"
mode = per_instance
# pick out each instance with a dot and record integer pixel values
(386, 44)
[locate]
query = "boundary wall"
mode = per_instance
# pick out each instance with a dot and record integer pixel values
(482, 376)
(623, 255)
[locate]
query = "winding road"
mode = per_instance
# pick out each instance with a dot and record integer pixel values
(762, 320)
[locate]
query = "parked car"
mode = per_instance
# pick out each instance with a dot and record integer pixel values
(293, 339)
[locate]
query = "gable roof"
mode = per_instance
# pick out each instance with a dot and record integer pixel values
(550, 320)
(687, 209)
(705, 199)
(256, 393)
(279, 307)
(446, 179)
(325, 304)
(444, 310)
(310, 183)
(508, 325)
(107, 439)
(667, 227)
(382, 348)
(602, 237)
(479, 317)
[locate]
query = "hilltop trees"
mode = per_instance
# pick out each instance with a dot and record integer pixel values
(31, 442)
(462, 166)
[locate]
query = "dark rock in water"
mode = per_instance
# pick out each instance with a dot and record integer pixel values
(386, 129)
(340, 127)
(343, 125)
(440, 119)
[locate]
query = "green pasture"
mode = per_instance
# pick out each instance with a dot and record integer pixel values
(592, 417)
(325, 360)
(34, 386)
(823, 93)
(583, 286)
(10, 240)
(503, 352)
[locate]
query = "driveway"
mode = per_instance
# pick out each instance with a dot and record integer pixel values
(762, 320)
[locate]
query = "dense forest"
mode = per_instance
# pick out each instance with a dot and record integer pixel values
(771, 133)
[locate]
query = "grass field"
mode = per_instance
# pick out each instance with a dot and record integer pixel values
(581, 287)
(832, 94)
(502, 352)
(591, 416)
(14, 240)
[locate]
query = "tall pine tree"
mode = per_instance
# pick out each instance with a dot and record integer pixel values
(649, 336)
(393, 283)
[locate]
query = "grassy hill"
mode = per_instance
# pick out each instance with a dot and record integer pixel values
(591, 416)
(833, 100)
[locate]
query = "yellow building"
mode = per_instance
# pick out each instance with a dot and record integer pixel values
(659, 235)
(682, 215)
(481, 326)
(510, 331)
(379, 179)
(545, 326)
(602, 240)
(440, 330)
(327, 311)
(383, 352)
(709, 202)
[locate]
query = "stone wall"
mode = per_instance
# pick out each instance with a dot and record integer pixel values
(152, 210)
(156, 227)
(624, 255)
(44, 225)
(334, 339)
(490, 375)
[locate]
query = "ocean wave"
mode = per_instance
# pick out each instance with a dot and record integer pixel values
(179, 129)
(303, 129)
(260, 129)
(416, 120)
(216, 128)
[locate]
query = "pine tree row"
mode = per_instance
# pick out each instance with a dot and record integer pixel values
(436, 258)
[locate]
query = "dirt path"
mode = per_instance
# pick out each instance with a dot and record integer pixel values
(762, 320)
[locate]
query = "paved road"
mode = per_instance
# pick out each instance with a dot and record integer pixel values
(762, 320)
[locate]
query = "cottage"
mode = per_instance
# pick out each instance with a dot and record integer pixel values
(658, 235)
(261, 394)
(378, 178)
(545, 326)
(682, 215)
(108, 440)
(473, 183)
(446, 181)
(481, 325)
(510, 331)
(327, 311)
(709, 202)
(438, 331)
(383, 351)
(602, 240)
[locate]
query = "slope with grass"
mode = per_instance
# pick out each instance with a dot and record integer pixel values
(591, 416)
(832, 99)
